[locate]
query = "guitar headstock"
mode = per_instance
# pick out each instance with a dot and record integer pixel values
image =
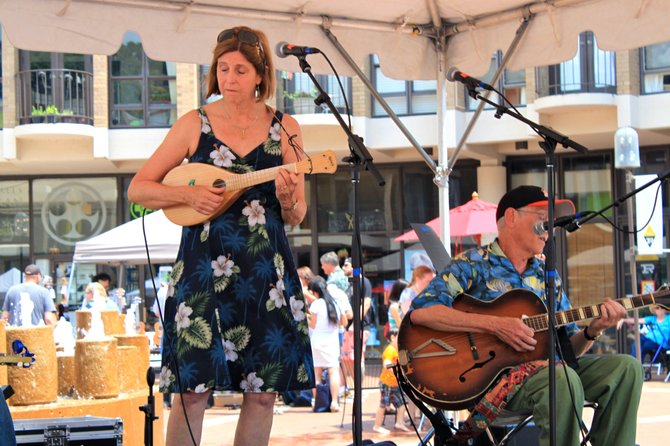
(324, 162)
(662, 297)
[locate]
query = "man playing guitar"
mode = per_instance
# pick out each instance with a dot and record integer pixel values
(513, 262)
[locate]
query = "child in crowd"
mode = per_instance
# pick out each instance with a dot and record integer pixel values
(389, 388)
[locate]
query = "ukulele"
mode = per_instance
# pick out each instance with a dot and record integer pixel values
(192, 174)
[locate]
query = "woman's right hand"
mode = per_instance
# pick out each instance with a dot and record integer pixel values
(204, 199)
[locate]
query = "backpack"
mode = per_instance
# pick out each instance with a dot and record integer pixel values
(322, 399)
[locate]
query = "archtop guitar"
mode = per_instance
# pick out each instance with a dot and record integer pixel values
(453, 370)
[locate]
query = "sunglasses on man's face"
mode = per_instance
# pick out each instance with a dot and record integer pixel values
(242, 36)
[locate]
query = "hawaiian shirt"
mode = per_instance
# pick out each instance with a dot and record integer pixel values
(485, 273)
(339, 279)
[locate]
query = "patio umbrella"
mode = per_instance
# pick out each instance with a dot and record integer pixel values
(474, 218)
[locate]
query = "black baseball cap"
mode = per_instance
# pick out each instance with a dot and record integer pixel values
(523, 196)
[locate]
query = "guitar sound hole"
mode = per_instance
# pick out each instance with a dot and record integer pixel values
(219, 183)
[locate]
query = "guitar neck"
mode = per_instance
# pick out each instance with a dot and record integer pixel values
(540, 322)
(243, 181)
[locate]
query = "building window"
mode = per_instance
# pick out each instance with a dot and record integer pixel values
(512, 84)
(55, 87)
(404, 97)
(592, 70)
(299, 92)
(143, 91)
(656, 68)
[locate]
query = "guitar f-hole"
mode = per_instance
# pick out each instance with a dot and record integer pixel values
(477, 365)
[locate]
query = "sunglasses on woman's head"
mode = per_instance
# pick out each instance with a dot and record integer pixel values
(242, 36)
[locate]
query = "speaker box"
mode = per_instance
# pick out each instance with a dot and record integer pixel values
(72, 431)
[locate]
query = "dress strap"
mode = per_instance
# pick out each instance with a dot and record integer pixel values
(205, 126)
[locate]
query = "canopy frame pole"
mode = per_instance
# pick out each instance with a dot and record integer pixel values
(520, 32)
(326, 29)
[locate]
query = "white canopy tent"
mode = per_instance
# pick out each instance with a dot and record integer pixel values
(124, 245)
(414, 39)
(401, 33)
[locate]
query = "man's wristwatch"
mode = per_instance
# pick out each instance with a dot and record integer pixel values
(588, 337)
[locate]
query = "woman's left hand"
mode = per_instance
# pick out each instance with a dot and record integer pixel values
(285, 184)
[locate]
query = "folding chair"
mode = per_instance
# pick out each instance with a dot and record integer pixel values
(660, 358)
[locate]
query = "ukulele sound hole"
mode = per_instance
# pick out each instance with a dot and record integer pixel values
(219, 183)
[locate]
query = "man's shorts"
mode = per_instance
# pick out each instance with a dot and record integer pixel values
(389, 395)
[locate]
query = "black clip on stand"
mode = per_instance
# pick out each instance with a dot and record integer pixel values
(550, 139)
(149, 410)
(359, 156)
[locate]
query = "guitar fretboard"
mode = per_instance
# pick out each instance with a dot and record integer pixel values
(252, 178)
(540, 322)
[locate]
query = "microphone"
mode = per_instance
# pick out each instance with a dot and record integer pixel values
(285, 49)
(568, 222)
(454, 75)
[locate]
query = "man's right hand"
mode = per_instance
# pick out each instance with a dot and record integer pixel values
(515, 333)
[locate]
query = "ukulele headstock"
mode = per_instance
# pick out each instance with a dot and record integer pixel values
(324, 162)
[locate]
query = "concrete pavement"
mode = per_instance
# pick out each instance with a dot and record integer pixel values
(298, 426)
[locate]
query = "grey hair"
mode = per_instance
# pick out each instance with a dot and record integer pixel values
(330, 258)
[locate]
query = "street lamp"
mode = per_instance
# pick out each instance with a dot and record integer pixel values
(627, 156)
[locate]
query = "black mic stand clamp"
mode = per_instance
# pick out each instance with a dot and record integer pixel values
(149, 410)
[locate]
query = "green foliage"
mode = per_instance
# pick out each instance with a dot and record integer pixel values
(311, 94)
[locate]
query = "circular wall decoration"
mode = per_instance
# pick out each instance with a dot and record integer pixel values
(72, 212)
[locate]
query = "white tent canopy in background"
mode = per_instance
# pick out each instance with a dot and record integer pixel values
(399, 32)
(124, 245)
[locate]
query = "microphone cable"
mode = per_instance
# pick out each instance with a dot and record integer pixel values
(167, 347)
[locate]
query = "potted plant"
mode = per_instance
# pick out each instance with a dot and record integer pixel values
(51, 111)
(67, 115)
(37, 115)
(302, 101)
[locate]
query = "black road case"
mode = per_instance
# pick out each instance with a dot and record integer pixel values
(73, 431)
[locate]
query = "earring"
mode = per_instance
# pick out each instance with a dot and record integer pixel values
(257, 92)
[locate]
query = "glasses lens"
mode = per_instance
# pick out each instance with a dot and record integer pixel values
(225, 35)
(243, 36)
(247, 37)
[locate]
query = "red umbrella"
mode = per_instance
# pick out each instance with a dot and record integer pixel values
(473, 218)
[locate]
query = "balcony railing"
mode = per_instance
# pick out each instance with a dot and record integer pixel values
(55, 96)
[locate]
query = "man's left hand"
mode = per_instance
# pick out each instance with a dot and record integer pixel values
(611, 313)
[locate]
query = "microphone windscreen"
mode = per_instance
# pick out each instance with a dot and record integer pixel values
(451, 74)
(279, 49)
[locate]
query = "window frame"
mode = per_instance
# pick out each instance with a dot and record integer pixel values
(145, 105)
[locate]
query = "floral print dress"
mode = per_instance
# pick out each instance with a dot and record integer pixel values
(235, 313)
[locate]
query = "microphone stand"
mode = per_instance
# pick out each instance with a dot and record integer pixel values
(359, 156)
(573, 226)
(550, 139)
(149, 410)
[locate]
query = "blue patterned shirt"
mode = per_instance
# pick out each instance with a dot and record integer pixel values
(339, 279)
(485, 273)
